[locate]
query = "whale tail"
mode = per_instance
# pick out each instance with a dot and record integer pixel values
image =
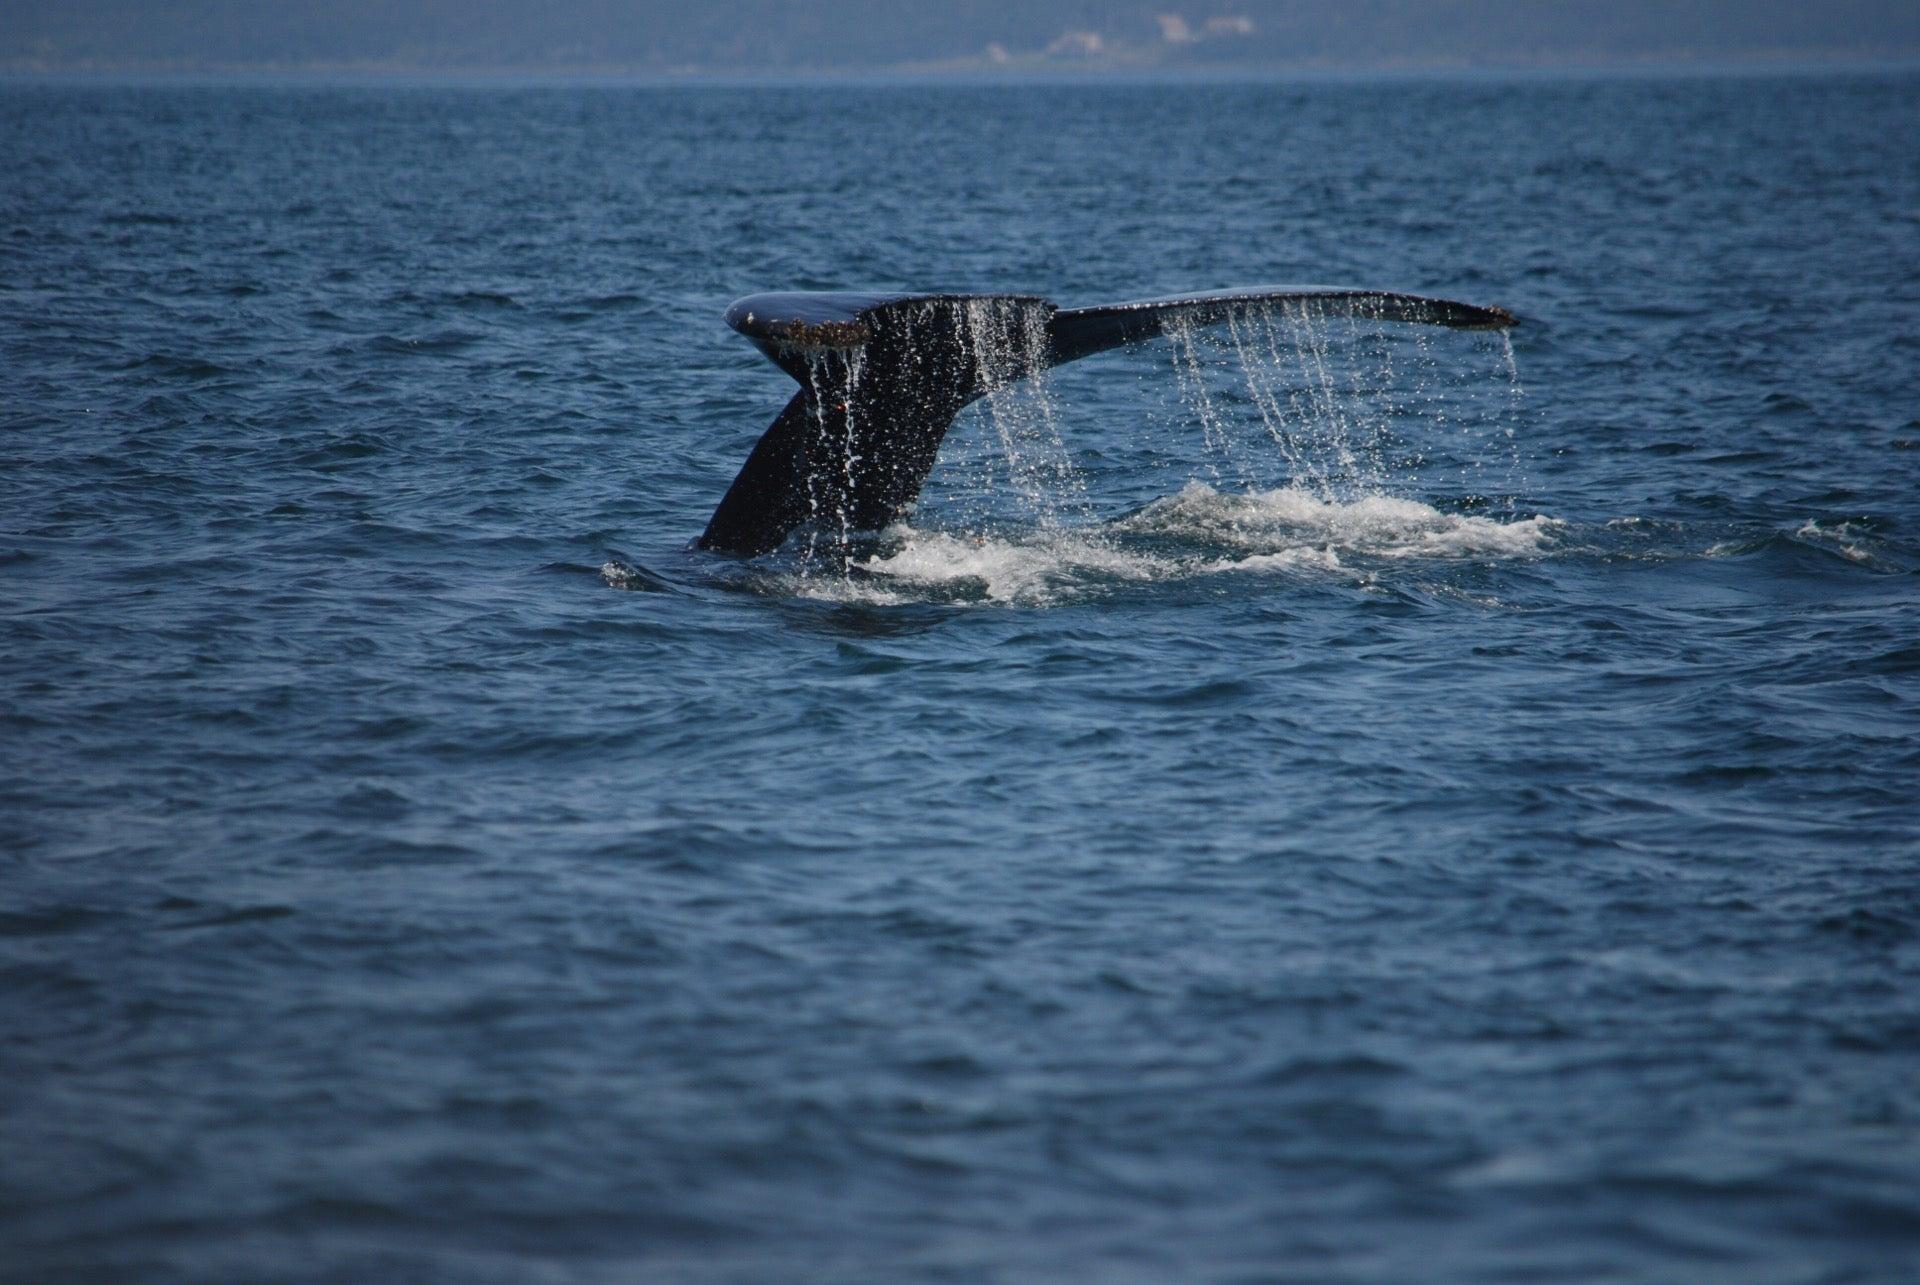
(882, 377)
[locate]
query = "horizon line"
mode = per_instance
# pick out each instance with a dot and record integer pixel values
(1751, 63)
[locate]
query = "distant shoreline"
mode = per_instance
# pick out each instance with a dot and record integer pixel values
(932, 75)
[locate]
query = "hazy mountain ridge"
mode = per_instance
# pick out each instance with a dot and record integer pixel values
(769, 36)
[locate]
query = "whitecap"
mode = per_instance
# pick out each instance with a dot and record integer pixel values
(1842, 538)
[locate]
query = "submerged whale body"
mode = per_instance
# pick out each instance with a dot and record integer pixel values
(883, 375)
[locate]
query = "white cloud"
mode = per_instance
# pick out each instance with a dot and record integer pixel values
(1076, 44)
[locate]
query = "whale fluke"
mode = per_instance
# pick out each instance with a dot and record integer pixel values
(883, 375)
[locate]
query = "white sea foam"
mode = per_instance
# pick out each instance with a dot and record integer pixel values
(1282, 521)
(1842, 538)
(1036, 567)
(619, 575)
(1197, 532)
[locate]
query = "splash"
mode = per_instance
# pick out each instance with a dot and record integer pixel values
(1313, 433)
(1378, 526)
(1195, 533)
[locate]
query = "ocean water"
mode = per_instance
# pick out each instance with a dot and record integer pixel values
(1310, 801)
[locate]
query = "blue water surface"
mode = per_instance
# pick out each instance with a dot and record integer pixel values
(1442, 820)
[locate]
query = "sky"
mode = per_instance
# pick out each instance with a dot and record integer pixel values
(967, 36)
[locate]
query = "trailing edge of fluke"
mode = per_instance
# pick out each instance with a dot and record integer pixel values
(883, 375)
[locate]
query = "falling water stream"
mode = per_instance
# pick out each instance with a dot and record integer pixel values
(1008, 338)
(1295, 438)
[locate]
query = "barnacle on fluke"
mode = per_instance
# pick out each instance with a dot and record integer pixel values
(822, 334)
(882, 376)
